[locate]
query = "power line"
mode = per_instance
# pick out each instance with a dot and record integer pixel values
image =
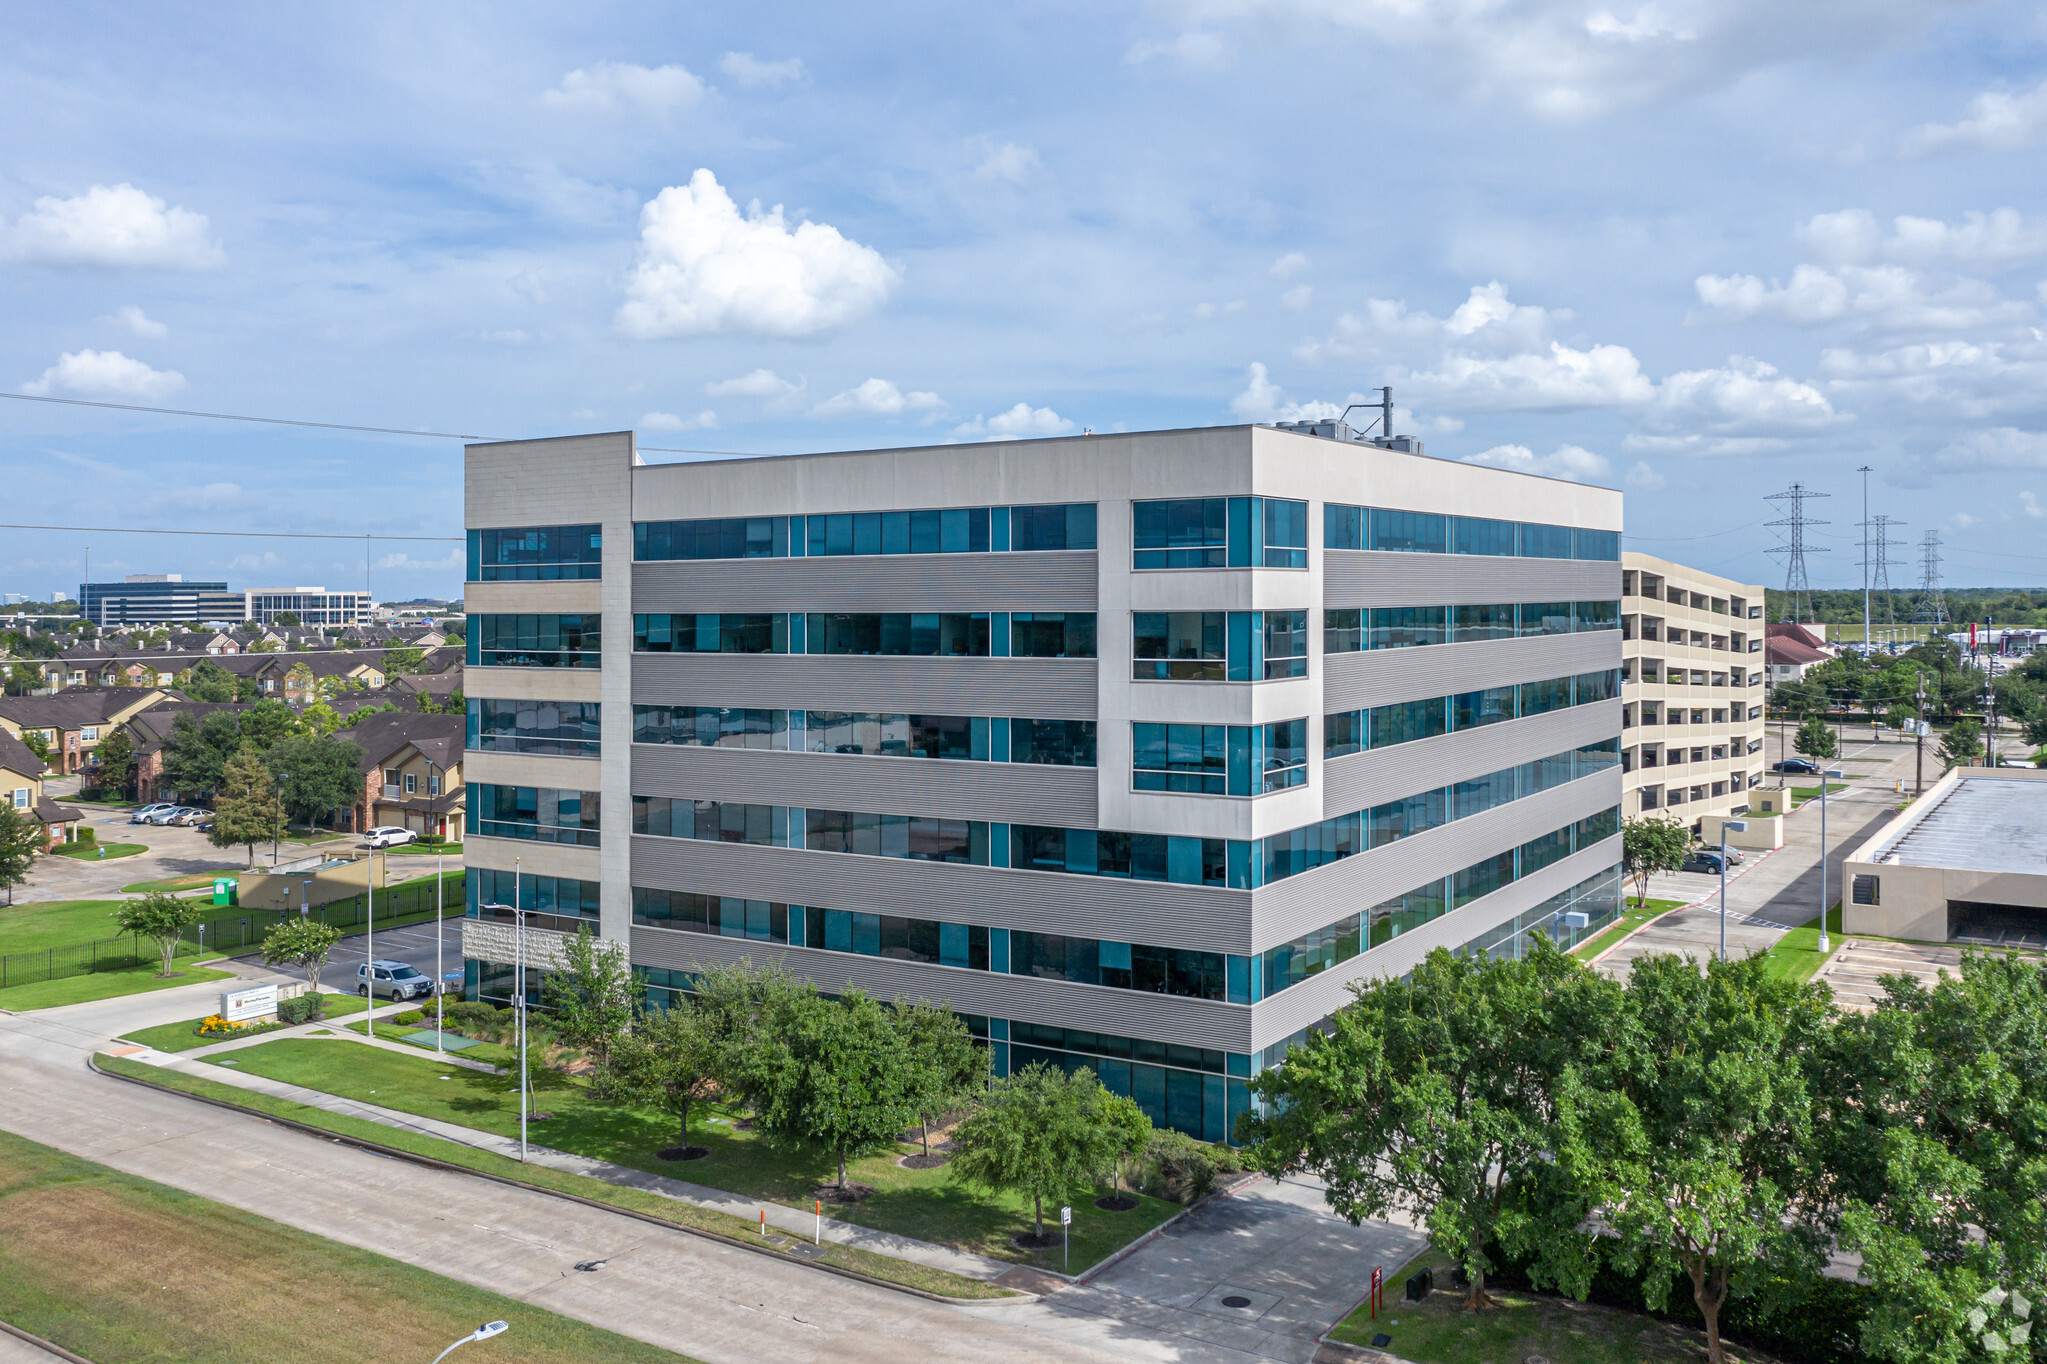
(242, 534)
(327, 426)
(1931, 606)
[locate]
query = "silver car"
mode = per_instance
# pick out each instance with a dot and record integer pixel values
(142, 815)
(398, 980)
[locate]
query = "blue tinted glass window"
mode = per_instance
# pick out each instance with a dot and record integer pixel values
(1474, 535)
(1343, 527)
(1539, 541)
(1414, 532)
(1180, 533)
(1180, 645)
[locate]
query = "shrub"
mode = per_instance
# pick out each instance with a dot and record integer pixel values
(303, 1009)
(84, 834)
(410, 1016)
(1178, 1168)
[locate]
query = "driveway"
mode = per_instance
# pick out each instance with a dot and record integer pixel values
(414, 944)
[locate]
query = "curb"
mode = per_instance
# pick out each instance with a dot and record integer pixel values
(1615, 945)
(59, 1351)
(429, 1162)
(1141, 1242)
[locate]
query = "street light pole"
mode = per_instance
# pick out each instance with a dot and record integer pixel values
(1826, 774)
(519, 918)
(483, 1332)
(440, 925)
(278, 827)
(1737, 826)
(369, 943)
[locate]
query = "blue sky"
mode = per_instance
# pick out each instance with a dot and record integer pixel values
(1696, 249)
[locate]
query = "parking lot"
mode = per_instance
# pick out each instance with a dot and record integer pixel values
(413, 944)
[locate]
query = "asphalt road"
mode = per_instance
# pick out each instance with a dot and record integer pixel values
(413, 944)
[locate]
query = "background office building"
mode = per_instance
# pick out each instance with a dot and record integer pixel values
(1691, 690)
(163, 598)
(158, 598)
(1136, 749)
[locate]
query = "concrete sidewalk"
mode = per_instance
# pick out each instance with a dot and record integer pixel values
(795, 1222)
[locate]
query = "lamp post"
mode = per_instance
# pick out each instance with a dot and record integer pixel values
(278, 827)
(440, 926)
(1738, 826)
(518, 991)
(1825, 775)
(483, 1332)
(369, 942)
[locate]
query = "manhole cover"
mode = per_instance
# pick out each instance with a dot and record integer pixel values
(1236, 1300)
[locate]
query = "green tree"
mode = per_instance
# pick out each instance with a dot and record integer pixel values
(287, 619)
(116, 754)
(162, 918)
(1815, 740)
(1658, 843)
(244, 803)
(1695, 1138)
(303, 945)
(1935, 1121)
(947, 1067)
(590, 991)
(24, 679)
(35, 742)
(671, 1060)
(1439, 1096)
(22, 839)
(321, 775)
(1798, 699)
(320, 719)
(399, 662)
(197, 750)
(1962, 745)
(1039, 1133)
(832, 1073)
(207, 681)
(267, 723)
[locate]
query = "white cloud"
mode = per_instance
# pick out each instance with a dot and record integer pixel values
(609, 86)
(1019, 421)
(668, 421)
(1208, 312)
(1969, 379)
(140, 323)
(760, 383)
(1264, 401)
(1292, 263)
(1570, 59)
(1573, 462)
(1297, 298)
(1991, 240)
(1489, 355)
(2002, 447)
(1742, 407)
(2029, 504)
(1890, 296)
(876, 398)
(1644, 479)
(113, 225)
(1961, 520)
(1995, 121)
(105, 374)
(754, 73)
(704, 269)
(1008, 162)
(1195, 49)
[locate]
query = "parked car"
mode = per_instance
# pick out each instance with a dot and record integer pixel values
(189, 815)
(388, 836)
(392, 980)
(163, 816)
(141, 816)
(1708, 862)
(1802, 765)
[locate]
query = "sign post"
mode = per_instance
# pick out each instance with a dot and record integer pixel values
(1066, 1238)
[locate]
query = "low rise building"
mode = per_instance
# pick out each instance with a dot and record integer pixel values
(1966, 862)
(1691, 690)
(71, 723)
(412, 772)
(21, 790)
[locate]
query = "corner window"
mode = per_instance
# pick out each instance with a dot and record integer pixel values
(1191, 532)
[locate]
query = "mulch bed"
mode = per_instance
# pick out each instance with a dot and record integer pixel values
(920, 1161)
(1116, 1203)
(683, 1152)
(852, 1193)
(1027, 1240)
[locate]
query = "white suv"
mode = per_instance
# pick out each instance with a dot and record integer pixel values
(388, 836)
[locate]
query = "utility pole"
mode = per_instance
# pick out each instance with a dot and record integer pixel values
(1797, 587)
(1919, 739)
(1880, 577)
(1864, 471)
(1930, 607)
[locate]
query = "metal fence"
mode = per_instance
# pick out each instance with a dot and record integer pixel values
(234, 931)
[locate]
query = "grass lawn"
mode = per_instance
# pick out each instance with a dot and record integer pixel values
(90, 852)
(1438, 1330)
(184, 1035)
(192, 882)
(926, 1204)
(666, 1209)
(1631, 918)
(421, 850)
(1796, 957)
(119, 1268)
(1802, 794)
(55, 923)
(48, 994)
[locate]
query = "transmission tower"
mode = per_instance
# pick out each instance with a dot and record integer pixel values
(1881, 563)
(1929, 607)
(1797, 587)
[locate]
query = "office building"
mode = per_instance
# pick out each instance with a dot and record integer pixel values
(1966, 862)
(1691, 690)
(157, 599)
(1136, 749)
(312, 605)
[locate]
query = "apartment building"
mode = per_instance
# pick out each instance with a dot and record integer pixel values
(1692, 683)
(1135, 748)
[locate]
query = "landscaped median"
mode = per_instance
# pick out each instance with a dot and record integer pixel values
(928, 1205)
(849, 1260)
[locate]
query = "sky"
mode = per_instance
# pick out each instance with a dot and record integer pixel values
(1694, 249)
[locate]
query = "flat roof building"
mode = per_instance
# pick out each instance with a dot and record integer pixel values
(1966, 862)
(1691, 690)
(156, 599)
(1135, 748)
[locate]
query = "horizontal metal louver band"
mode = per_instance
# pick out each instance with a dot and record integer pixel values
(1379, 677)
(1363, 779)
